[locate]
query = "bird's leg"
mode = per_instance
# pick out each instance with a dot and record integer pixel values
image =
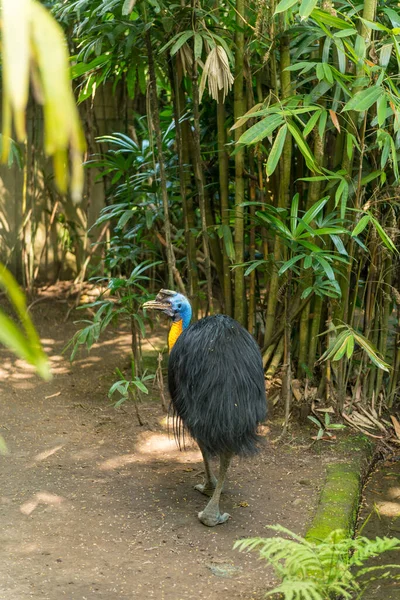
(208, 486)
(211, 515)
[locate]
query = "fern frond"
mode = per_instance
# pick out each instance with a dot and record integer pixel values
(366, 570)
(291, 534)
(298, 590)
(321, 571)
(365, 548)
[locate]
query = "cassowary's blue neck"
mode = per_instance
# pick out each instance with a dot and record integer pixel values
(180, 321)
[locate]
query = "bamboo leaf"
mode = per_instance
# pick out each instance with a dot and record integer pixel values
(198, 46)
(299, 66)
(182, 39)
(375, 25)
(260, 130)
(322, 124)
(393, 15)
(140, 386)
(364, 99)
(385, 54)
(335, 119)
(26, 346)
(320, 71)
(361, 225)
(310, 215)
(370, 177)
(340, 352)
(326, 266)
(308, 261)
(128, 7)
(322, 16)
(311, 123)
(339, 244)
(371, 352)
(271, 220)
(284, 5)
(228, 242)
(294, 209)
(306, 8)
(303, 146)
(289, 263)
(254, 265)
(350, 346)
(381, 106)
(247, 116)
(345, 33)
(32, 41)
(276, 150)
(327, 72)
(382, 234)
(349, 145)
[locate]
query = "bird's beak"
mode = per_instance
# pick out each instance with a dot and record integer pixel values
(161, 305)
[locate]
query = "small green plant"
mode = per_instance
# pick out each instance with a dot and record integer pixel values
(344, 343)
(125, 297)
(322, 571)
(326, 427)
(130, 389)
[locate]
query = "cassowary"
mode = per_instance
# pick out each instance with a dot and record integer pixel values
(217, 388)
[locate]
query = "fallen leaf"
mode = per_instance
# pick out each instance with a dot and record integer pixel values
(396, 425)
(335, 120)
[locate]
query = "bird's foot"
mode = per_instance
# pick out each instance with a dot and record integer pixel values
(212, 519)
(206, 488)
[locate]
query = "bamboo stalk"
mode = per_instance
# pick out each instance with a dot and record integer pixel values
(198, 173)
(276, 359)
(239, 109)
(155, 122)
(251, 319)
(384, 321)
(223, 167)
(284, 189)
(183, 144)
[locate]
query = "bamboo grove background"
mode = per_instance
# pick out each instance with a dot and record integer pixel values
(252, 165)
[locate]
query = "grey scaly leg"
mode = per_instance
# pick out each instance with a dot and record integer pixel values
(208, 486)
(211, 515)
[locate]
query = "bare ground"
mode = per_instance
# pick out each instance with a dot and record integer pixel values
(94, 506)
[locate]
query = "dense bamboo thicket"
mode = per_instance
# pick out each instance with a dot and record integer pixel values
(258, 172)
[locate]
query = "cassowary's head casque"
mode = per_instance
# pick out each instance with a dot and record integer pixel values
(172, 304)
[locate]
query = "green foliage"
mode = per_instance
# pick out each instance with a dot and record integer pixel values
(123, 299)
(324, 570)
(25, 342)
(344, 344)
(299, 234)
(128, 388)
(326, 427)
(325, 124)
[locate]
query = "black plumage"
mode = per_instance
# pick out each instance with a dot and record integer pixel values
(217, 388)
(216, 383)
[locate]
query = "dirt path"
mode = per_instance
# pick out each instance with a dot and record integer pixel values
(94, 506)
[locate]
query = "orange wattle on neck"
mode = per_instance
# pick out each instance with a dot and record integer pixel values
(174, 333)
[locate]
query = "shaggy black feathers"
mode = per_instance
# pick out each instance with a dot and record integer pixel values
(216, 382)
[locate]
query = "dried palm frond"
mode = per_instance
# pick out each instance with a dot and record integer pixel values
(186, 57)
(217, 71)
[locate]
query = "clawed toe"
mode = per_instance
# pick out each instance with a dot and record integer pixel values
(205, 489)
(210, 520)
